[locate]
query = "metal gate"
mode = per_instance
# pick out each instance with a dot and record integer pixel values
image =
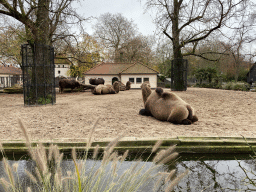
(38, 74)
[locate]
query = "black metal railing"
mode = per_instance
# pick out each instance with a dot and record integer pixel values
(38, 74)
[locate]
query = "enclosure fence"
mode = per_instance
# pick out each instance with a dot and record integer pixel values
(38, 74)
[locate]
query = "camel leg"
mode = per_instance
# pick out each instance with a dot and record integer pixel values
(61, 89)
(145, 112)
(194, 119)
(179, 116)
(191, 117)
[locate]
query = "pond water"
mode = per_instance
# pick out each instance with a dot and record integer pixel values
(208, 172)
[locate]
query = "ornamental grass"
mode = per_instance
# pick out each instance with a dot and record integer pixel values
(89, 174)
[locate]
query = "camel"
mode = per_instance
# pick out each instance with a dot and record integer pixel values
(106, 89)
(166, 106)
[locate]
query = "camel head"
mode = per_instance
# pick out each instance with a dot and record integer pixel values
(116, 86)
(146, 91)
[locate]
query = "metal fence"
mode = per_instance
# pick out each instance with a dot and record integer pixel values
(179, 74)
(38, 74)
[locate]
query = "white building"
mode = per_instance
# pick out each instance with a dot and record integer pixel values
(62, 65)
(136, 73)
(10, 75)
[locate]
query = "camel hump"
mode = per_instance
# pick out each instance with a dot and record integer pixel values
(166, 95)
(159, 90)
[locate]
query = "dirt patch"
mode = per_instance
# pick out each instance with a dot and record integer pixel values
(220, 112)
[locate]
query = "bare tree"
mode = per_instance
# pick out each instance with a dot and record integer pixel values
(114, 30)
(11, 38)
(238, 42)
(138, 49)
(187, 22)
(42, 20)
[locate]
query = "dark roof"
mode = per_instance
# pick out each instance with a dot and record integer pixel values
(120, 68)
(61, 60)
(10, 70)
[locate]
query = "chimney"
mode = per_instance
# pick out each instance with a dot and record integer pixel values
(121, 56)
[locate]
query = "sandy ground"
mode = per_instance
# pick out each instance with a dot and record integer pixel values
(220, 112)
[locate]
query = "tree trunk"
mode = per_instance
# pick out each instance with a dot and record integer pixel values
(42, 77)
(42, 35)
(179, 81)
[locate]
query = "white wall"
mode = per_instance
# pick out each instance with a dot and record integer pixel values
(107, 78)
(63, 70)
(152, 80)
(7, 80)
(125, 78)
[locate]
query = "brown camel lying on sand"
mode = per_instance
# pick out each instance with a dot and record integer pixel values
(166, 106)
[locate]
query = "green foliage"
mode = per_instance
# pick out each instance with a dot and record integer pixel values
(213, 85)
(165, 68)
(44, 101)
(242, 76)
(162, 77)
(238, 86)
(200, 75)
(205, 74)
(75, 71)
(210, 73)
(167, 85)
(14, 89)
(228, 86)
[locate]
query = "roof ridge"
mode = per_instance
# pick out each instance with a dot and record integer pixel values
(148, 67)
(142, 65)
(128, 67)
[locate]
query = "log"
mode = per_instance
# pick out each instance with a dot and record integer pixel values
(85, 87)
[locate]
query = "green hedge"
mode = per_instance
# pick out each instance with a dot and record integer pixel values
(237, 86)
(14, 89)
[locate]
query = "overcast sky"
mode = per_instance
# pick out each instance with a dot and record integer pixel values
(131, 9)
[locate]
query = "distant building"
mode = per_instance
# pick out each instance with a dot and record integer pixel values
(62, 65)
(136, 73)
(10, 75)
(251, 75)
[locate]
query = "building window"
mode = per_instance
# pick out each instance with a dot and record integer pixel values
(146, 79)
(63, 66)
(138, 80)
(58, 72)
(131, 80)
(58, 66)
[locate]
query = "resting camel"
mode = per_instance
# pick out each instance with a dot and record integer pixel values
(106, 89)
(166, 106)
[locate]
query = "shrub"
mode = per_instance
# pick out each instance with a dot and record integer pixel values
(49, 175)
(162, 78)
(167, 85)
(14, 89)
(189, 84)
(218, 86)
(238, 86)
(228, 86)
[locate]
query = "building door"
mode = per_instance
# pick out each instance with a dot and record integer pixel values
(114, 79)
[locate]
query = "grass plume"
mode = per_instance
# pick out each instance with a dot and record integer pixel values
(102, 177)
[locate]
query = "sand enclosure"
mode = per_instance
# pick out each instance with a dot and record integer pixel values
(221, 113)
